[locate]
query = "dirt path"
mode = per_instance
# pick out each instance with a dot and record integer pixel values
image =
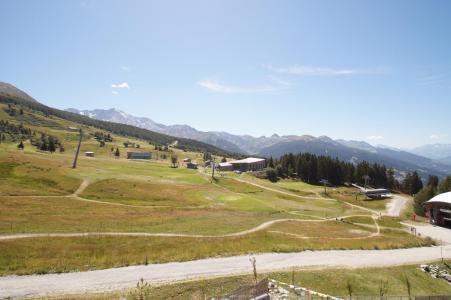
(375, 212)
(260, 227)
(84, 184)
(280, 191)
(127, 277)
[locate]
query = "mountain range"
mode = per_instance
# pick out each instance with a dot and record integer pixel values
(276, 145)
(14, 96)
(429, 159)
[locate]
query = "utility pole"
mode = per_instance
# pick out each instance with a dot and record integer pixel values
(212, 168)
(367, 178)
(78, 149)
(325, 182)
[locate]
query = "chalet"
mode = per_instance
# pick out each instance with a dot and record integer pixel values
(191, 165)
(139, 155)
(225, 166)
(249, 164)
(89, 154)
(438, 210)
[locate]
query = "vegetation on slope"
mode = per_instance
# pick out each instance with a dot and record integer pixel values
(116, 128)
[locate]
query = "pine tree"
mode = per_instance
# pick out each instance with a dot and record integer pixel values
(52, 144)
(117, 153)
(445, 185)
(424, 195)
(433, 181)
(271, 162)
(21, 146)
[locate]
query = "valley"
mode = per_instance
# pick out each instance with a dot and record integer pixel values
(112, 212)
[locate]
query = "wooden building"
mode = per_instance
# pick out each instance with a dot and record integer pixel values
(139, 155)
(249, 164)
(191, 165)
(438, 210)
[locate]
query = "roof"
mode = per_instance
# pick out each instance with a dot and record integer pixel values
(139, 153)
(248, 160)
(89, 152)
(441, 198)
(225, 164)
(376, 190)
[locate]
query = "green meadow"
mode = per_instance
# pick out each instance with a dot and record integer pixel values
(40, 193)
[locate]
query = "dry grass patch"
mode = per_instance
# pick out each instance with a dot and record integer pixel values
(48, 255)
(20, 175)
(62, 214)
(320, 229)
(145, 193)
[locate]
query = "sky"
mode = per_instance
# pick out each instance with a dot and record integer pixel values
(378, 71)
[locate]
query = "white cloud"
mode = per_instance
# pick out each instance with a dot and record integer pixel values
(123, 85)
(114, 92)
(375, 137)
(434, 136)
(304, 70)
(216, 86)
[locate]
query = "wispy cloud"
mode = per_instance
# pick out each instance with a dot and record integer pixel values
(435, 136)
(305, 70)
(123, 85)
(125, 68)
(114, 92)
(280, 81)
(442, 80)
(375, 137)
(218, 87)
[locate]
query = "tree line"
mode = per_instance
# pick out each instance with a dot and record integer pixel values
(16, 132)
(313, 169)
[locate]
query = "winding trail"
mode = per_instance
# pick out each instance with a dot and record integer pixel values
(260, 227)
(127, 277)
(84, 184)
(280, 191)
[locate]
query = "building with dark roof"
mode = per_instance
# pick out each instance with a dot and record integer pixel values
(139, 155)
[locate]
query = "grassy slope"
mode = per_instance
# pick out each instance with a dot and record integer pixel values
(44, 255)
(166, 200)
(38, 109)
(365, 282)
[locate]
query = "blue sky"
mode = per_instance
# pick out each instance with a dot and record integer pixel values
(378, 71)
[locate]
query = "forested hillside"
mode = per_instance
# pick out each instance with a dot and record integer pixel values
(314, 169)
(120, 129)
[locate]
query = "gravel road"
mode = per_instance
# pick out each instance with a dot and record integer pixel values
(127, 277)
(395, 206)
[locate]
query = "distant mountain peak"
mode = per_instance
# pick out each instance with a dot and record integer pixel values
(276, 145)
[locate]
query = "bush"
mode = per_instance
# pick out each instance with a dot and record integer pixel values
(423, 196)
(271, 175)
